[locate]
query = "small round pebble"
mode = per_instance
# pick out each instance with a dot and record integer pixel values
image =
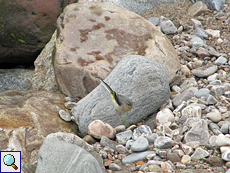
(114, 167)
(186, 159)
(141, 144)
(65, 115)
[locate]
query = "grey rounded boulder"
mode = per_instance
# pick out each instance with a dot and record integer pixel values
(142, 79)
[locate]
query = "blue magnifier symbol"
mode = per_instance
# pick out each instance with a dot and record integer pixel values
(9, 161)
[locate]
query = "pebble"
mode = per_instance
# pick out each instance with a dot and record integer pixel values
(221, 60)
(203, 92)
(167, 166)
(226, 156)
(222, 140)
(167, 26)
(141, 144)
(98, 128)
(186, 159)
(154, 168)
(195, 23)
(213, 33)
(199, 154)
(120, 128)
(224, 129)
(192, 110)
(184, 96)
(136, 157)
(204, 71)
(151, 138)
(163, 142)
(165, 116)
(69, 105)
(200, 33)
(141, 130)
(65, 115)
(154, 20)
(122, 150)
(214, 116)
(197, 8)
(124, 136)
(215, 161)
(114, 167)
(202, 53)
(89, 139)
(173, 157)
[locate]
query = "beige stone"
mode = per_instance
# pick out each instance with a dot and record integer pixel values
(197, 8)
(98, 128)
(27, 117)
(93, 37)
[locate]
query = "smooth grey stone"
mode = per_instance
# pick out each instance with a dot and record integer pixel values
(220, 61)
(114, 167)
(211, 100)
(14, 79)
(194, 134)
(196, 41)
(74, 139)
(173, 157)
(213, 126)
(148, 93)
(72, 158)
(184, 96)
(224, 129)
(154, 20)
(202, 92)
(200, 33)
(123, 137)
(141, 144)
(143, 129)
(204, 71)
(151, 138)
(64, 115)
(167, 26)
(212, 4)
(136, 157)
(163, 142)
(199, 154)
(226, 156)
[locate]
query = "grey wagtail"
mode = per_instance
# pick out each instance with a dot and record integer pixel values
(121, 103)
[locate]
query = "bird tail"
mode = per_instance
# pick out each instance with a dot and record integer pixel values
(107, 87)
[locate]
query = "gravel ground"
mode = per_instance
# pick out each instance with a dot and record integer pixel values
(177, 13)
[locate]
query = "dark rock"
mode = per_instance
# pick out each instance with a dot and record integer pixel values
(26, 26)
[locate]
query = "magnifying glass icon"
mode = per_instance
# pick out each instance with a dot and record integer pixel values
(9, 160)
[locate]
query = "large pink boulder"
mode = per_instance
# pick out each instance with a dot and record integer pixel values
(93, 37)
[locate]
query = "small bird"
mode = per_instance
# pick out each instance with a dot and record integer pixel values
(121, 103)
